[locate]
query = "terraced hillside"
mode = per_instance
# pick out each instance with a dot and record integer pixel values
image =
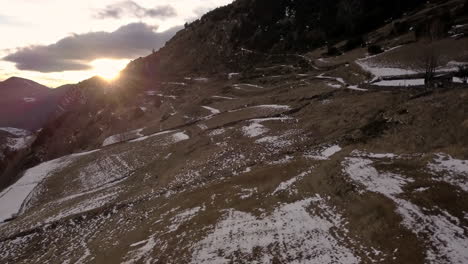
(280, 169)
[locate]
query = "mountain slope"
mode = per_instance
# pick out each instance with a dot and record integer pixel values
(26, 104)
(241, 35)
(302, 158)
(278, 174)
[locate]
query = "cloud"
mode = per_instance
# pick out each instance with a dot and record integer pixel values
(10, 21)
(74, 53)
(132, 9)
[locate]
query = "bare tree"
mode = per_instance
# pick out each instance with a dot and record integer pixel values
(463, 73)
(431, 61)
(348, 11)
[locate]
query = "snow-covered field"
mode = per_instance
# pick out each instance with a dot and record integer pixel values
(453, 171)
(403, 83)
(290, 234)
(447, 238)
(14, 197)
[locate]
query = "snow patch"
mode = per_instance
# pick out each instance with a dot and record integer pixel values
(152, 135)
(356, 88)
(20, 143)
(285, 186)
(233, 75)
(325, 154)
(136, 255)
(362, 171)
(183, 217)
(122, 137)
(450, 170)
(16, 131)
(29, 99)
(447, 238)
(176, 83)
(337, 79)
(289, 235)
(217, 132)
(239, 86)
(402, 83)
(180, 136)
(214, 111)
(254, 130)
(223, 97)
(336, 86)
(202, 126)
(247, 193)
(15, 197)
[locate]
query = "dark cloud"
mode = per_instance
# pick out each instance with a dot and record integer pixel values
(132, 9)
(75, 52)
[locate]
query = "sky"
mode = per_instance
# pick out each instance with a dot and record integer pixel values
(56, 42)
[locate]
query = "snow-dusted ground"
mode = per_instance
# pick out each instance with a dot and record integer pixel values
(287, 185)
(13, 198)
(290, 234)
(180, 136)
(403, 82)
(275, 143)
(16, 131)
(29, 99)
(337, 79)
(136, 136)
(183, 217)
(324, 153)
(233, 75)
(447, 238)
(213, 111)
(83, 206)
(379, 70)
(254, 130)
(356, 88)
(332, 85)
(176, 83)
(223, 97)
(152, 135)
(104, 170)
(141, 252)
(240, 85)
(122, 137)
(20, 143)
(453, 171)
(382, 71)
(263, 108)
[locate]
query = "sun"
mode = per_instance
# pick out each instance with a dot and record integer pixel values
(108, 69)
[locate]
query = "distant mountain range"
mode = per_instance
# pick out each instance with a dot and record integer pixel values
(27, 104)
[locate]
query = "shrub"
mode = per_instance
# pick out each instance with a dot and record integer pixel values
(374, 49)
(333, 51)
(400, 27)
(354, 43)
